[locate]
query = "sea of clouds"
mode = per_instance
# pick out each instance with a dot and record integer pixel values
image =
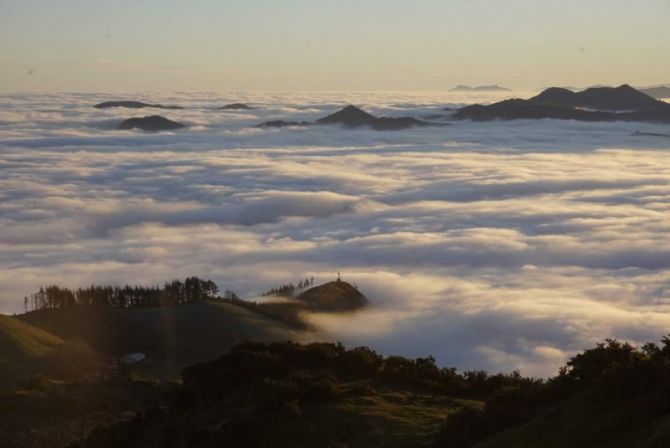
(506, 245)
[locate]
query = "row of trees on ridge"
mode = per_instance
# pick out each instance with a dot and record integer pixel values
(192, 289)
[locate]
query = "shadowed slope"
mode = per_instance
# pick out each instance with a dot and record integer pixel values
(18, 338)
(23, 350)
(289, 395)
(171, 337)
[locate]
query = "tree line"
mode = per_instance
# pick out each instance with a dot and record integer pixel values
(288, 289)
(192, 289)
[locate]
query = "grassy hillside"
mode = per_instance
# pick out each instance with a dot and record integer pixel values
(285, 394)
(20, 339)
(22, 346)
(172, 337)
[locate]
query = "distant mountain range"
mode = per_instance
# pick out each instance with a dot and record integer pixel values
(132, 105)
(599, 103)
(141, 105)
(623, 103)
(236, 106)
(622, 98)
(491, 88)
(353, 117)
(657, 92)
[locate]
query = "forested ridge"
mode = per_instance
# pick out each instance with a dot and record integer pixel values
(192, 289)
(175, 292)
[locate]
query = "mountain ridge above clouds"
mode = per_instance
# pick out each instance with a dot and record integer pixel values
(152, 123)
(658, 92)
(623, 103)
(622, 98)
(133, 105)
(484, 88)
(236, 106)
(354, 117)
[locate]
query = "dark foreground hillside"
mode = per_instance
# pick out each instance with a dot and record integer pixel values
(74, 372)
(26, 350)
(321, 395)
(614, 396)
(46, 413)
(292, 395)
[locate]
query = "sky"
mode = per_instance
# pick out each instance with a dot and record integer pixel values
(345, 45)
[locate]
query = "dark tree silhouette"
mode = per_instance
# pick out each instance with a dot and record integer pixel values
(176, 292)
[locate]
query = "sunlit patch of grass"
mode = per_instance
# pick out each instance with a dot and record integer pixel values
(20, 338)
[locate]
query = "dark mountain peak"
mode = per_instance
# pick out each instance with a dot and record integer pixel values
(132, 105)
(282, 124)
(151, 123)
(351, 109)
(554, 95)
(622, 103)
(353, 117)
(350, 115)
(608, 90)
(334, 296)
(556, 91)
(622, 98)
(236, 106)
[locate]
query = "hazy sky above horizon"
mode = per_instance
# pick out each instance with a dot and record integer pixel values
(80, 45)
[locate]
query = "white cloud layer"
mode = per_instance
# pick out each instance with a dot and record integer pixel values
(489, 245)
